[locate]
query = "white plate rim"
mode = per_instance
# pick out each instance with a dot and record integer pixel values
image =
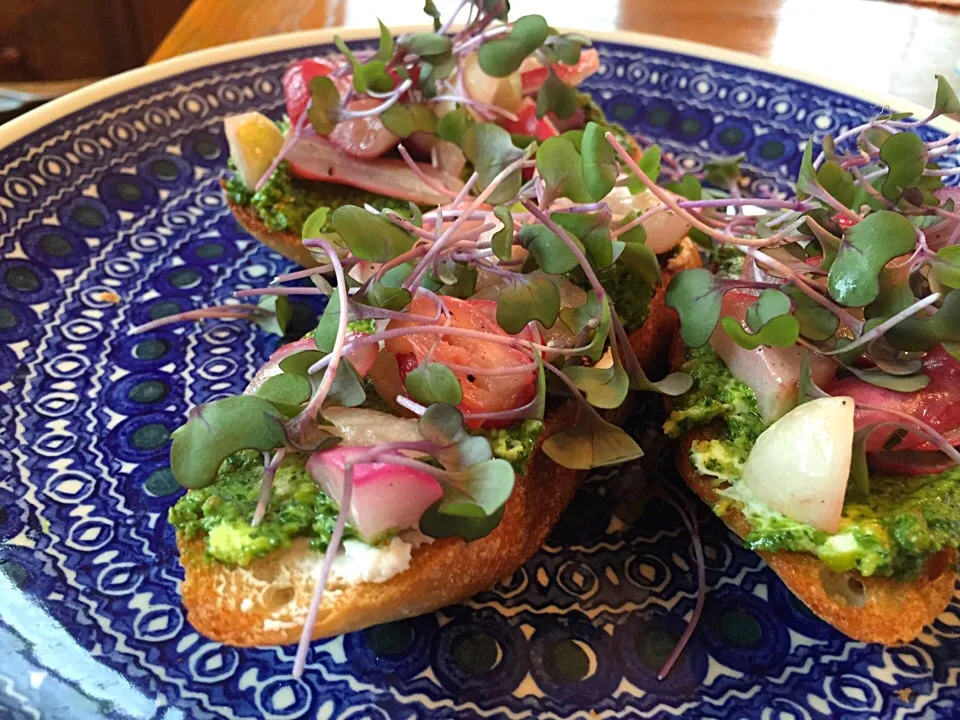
(20, 127)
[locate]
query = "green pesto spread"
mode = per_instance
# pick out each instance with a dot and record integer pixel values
(514, 444)
(221, 513)
(903, 522)
(285, 202)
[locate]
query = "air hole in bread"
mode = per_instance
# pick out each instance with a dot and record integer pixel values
(846, 586)
(275, 597)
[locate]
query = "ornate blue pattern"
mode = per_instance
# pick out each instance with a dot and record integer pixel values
(113, 216)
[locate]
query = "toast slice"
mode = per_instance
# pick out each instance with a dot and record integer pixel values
(869, 609)
(266, 602)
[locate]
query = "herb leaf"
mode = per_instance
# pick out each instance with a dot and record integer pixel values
(491, 150)
(324, 109)
(502, 241)
(604, 387)
(947, 269)
(219, 429)
(558, 163)
(577, 318)
(591, 443)
(550, 251)
(557, 97)
(370, 237)
(816, 322)
(279, 314)
(837, 181)
(599, 162)
(434, 383)
(906, 156)
(528, 298)
(286, 393)
(698, 297)
(770, 304)
(781, 331)
(503, 56)
(867, 247)
(385, 49)
(946, 102)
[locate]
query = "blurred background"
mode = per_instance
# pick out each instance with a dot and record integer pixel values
(48, 47)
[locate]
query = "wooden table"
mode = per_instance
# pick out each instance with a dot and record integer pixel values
(880, 46)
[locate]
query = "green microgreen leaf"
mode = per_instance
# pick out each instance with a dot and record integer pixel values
(698, 297)
(218, 429)
(347, 388)
(723, 172)
(299, 363)
(314, 224)
(946, 102)
(906, 157)
(464, 277)
(370, 237)
(552, 253)
(781, 331)
(858, 483)
(287, 393)
(431, 9)
(807, 179)
(436, 524)
(434, 383)
(382, 295)
(576, 137)
(490, 150)
(502, 241)
(278, 314)
(325, 334)
(591, 443)
(375, 77)
(385, 49)
(807, 388)
(953, 348)
(598, 162)
(503, 56)
(324, 110)
(428, 44)
(577, 318)
(399, 120)
(598, 343)
(527, 298)
(540, 398)
(357, 66)
(650, 165)
(899, 383)
(947, 269)
(442, 425)
(816, 322)
(917, 333)
(829, 243)
(867, 247)
(416, 217)
(604, 387)
(770, 304)
(592, 230)
(688, 187)
(837, 181)
(556, 97)
(568, 47)
(558, 163)
(453, 125)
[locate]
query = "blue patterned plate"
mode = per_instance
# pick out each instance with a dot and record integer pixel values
(111, 214)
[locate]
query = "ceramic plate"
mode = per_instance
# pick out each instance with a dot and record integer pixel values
(111, 214)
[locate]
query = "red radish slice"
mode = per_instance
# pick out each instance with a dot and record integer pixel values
(528, 124)
(315, 158)
(386, 497)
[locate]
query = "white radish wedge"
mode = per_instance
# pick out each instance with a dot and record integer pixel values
(254, 141)
(799, 466)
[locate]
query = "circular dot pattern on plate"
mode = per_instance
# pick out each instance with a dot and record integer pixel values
(113, 217)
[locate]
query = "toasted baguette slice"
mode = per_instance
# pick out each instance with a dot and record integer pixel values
(266, 603)
(885, 611)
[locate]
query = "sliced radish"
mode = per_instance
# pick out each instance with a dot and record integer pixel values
(364, 137)
(799, 466)
(386, 497)
(360, 426)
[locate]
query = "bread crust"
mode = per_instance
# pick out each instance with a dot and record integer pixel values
(266, 602)
(893, 612)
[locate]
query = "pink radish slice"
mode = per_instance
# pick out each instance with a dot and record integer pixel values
(386, 497)
(365, 137)
(362, 358)
(315, 158)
